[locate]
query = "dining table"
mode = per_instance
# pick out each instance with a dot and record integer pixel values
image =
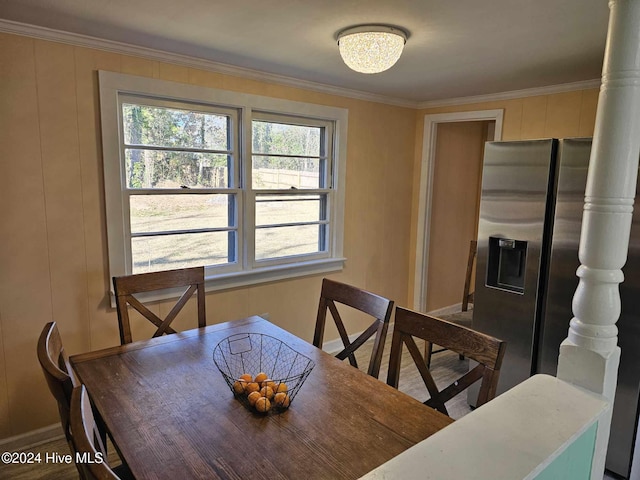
(171, 414)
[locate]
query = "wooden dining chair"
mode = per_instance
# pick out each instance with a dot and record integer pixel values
(57, 372)
(91, 458)
(484, 349)
(467, 294)
(61, 379)
(374, 305)
(465, 316)
(126, 286)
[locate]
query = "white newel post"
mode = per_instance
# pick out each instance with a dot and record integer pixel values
(590, 356)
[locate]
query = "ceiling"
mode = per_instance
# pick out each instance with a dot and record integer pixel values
(456, 48)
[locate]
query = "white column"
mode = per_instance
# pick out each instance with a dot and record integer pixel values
(590, 356)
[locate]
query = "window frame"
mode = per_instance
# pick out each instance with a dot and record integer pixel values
(114, 87)
(327, 191)
(234, 176)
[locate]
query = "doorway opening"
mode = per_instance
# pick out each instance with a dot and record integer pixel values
(450, 183)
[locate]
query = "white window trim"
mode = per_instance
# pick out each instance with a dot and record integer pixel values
(114, 84)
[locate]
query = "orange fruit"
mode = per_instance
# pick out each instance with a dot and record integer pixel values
(263, 404)
(282, 387)
(246, 377)
(267, 392)
(282, 400)
(269, 383)
(253, 398)
(261, 377)
(239, 386)
(251, 387)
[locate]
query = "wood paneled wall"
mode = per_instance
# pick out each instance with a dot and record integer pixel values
(53, 251)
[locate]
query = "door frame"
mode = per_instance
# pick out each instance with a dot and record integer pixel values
(425, 200)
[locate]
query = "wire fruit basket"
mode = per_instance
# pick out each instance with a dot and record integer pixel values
(254, 362)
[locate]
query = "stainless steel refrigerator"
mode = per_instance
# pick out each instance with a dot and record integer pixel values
(528, 235)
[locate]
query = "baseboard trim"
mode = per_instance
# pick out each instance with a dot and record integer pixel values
(335, 345)
(32, 438)
(447, 310)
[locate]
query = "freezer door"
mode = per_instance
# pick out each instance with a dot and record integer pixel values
(625, 406)
(517, 181)
(573, 161)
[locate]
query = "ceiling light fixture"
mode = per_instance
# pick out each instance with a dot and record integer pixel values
(371, 48)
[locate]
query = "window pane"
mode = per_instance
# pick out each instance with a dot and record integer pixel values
(270, 137)
(160, 213)
(272, 209)
(151, 254)
(170, 169)
(170, 127)
(286, 172)
(284, 241)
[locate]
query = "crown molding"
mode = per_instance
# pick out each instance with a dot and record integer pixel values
(511, 95)
(79, 40)
(75, 39)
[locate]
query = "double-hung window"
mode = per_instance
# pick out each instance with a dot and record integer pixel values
(250, 187)
(290, 186)
(180, 164)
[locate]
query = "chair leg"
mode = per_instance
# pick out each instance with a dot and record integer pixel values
(102, 427)
(428, 351)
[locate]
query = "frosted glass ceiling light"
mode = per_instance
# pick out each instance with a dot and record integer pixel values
(371, 48)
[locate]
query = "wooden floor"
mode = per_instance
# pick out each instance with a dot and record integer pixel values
(446, 366)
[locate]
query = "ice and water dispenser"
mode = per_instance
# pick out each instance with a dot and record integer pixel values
(506, 264)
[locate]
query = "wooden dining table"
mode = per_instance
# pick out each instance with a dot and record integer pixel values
(172, 416)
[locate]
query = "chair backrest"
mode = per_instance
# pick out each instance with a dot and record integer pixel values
(126, 286)
(374, 305)
(91, 452)
(57, 372)
(484, 349)
(467, 296)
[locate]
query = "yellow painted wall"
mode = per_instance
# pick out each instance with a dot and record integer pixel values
(53, 251)
(562, 115)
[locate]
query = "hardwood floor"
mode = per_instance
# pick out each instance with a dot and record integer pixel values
(446, 366)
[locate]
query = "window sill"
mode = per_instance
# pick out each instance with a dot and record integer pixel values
(273, 273)
(247, 278)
